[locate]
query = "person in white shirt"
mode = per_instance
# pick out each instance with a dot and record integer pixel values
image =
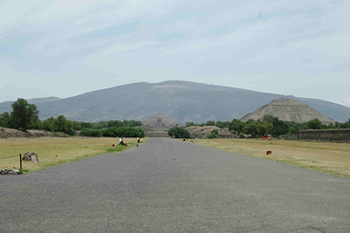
(121, 141)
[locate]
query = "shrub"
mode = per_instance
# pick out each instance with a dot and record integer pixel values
(213, 134)
(114, 132)
(178, 132)
(314, 124)
(90, 132)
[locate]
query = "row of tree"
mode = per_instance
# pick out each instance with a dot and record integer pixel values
(108, 124)
(178, 132)
(25, 116)
(114, 132)
(272, 125)
(219, 124)
(268, 125)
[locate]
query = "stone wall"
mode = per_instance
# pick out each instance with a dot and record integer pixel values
(325, 135)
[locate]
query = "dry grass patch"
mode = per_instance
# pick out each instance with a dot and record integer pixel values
(13, 133)
(329, 158)
(66, 149)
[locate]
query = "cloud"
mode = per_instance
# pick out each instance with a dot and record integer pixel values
(154, 40)
(127, 47)
(345, 101)
(15, 11)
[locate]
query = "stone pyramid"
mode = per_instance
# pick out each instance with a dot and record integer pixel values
(158, 122)
(288, 110)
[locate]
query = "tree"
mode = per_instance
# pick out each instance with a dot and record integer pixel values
(189, 124)
(36, 124)
(49, 124)
(269, 118)
(133, 123)
(294, 129)
(85, 125)
(236, 126)
(23, 114)
(210, 123)
(331, 126)
(264, 128)
(178, 132)
(63, 125)
(5, 120)
(214, 134)
(279, 127)
(251, 128)
(224, 124)
(90, 132)
(314, 124)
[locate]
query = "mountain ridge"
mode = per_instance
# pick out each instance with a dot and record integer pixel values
(180, 100)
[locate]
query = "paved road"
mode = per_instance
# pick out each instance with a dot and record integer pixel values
(167, 185)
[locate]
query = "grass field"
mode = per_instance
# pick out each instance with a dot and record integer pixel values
(329, 158)
(66, 149)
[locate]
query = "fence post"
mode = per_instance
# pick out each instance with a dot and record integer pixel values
(20, 161)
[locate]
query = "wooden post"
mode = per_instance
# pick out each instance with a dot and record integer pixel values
(20, 160)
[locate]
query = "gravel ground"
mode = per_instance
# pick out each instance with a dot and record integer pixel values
(167, 185)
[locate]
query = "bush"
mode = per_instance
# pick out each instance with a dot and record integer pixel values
(279, 127)
(314, 124)
(222, 125)
(241, 136)
(114, 132)
(213, 134)
(5, 120)
(90, 132)
(178, 132)
(189, 124)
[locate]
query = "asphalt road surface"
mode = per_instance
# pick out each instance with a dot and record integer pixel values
(167, 185)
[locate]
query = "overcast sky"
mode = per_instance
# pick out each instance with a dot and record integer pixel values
(64, 48)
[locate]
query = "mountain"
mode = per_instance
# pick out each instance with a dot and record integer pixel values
(6, 106)
(181, 101)
(43, 100)
(288, 110)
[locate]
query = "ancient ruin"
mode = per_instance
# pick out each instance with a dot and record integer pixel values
(203, 131)
(333, 135)
(157, 126)
(288, 110)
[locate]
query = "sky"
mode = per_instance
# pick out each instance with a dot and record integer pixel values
(64, 48)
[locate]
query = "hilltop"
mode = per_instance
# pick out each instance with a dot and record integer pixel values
(181, 101)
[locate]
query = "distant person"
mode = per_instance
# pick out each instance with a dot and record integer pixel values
(121, 141)
(138, 139)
